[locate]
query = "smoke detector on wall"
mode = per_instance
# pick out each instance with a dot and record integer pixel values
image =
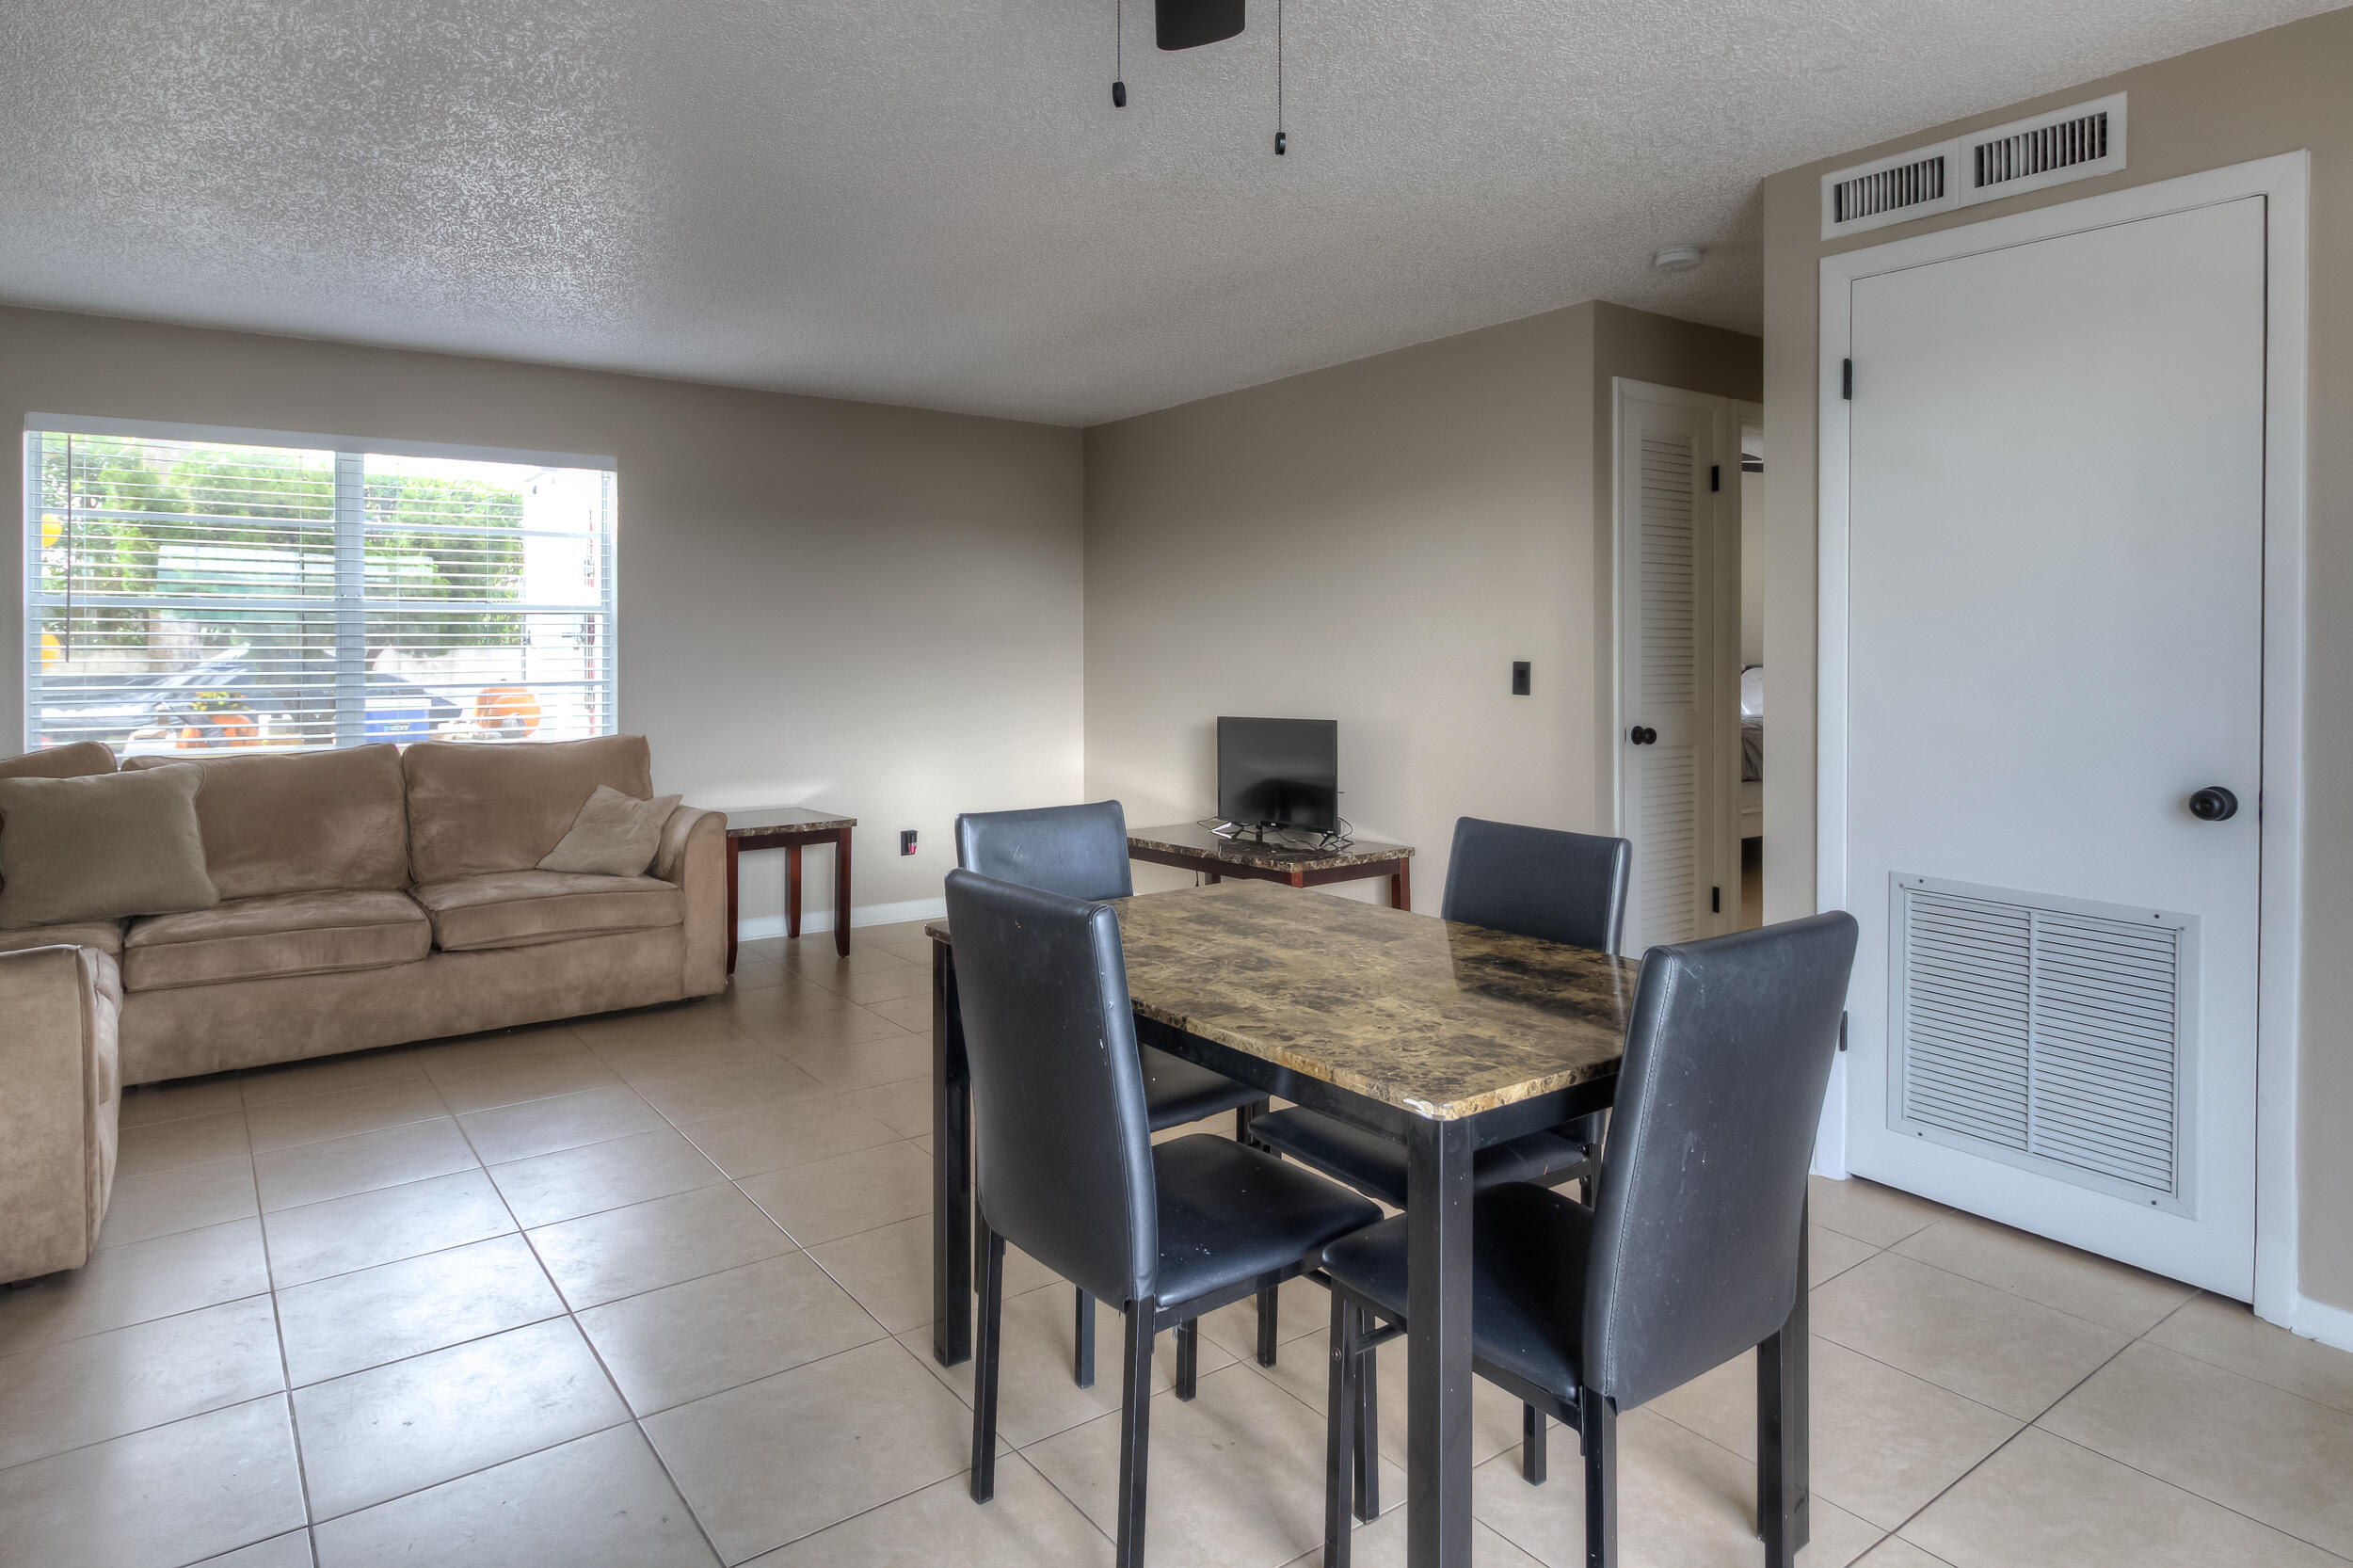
(1680, 258)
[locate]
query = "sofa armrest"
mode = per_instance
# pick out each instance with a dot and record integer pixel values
(58, 1117)
(694, 855)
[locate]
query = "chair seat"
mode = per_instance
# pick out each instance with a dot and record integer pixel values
(1375, 1164)
(1176, 1091)
(1527, 1258)
(1230, 1214)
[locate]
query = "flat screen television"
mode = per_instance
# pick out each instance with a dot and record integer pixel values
(1279, 772)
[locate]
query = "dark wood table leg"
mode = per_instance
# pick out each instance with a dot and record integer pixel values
(1784, 1365)
(791, 889)
(1401, 885)
(952, 1170)
(1439, 1345)
(734, 849)
(842, 893)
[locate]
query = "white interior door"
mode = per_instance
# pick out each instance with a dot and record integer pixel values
(1672, 698)
(2054, 641)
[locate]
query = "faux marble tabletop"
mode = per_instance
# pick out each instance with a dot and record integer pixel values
(1437, 1019)
(750, 821)
(1193, 839)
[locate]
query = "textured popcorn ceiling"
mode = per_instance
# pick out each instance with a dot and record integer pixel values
(933, 202)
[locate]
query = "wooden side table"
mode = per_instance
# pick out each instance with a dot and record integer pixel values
(790, 828)
(1191, 847)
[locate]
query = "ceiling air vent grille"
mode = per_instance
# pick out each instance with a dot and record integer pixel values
(2047, 1033)
(1984, 166)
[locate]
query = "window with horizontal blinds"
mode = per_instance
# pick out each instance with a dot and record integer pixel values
(186, 592)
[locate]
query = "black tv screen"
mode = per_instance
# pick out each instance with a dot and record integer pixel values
(1279, 772)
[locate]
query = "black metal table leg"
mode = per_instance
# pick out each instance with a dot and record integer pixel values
(1439, 1345)
(951, 1169)
(1784, 1365)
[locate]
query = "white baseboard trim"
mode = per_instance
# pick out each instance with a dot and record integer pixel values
(760, 927)
(2330, 1325)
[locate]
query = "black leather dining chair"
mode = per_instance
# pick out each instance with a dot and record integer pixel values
(1082, 852)
(1066, 1167)
(1694, 1250)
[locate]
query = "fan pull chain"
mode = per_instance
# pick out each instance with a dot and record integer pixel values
(1282, 138)
(1119, 31)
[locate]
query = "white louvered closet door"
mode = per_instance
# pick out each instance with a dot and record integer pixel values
(1668, 683)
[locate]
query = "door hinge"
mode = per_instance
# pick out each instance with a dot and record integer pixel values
(1846, 379)
(1715, 901)
(1842, 1032)
(1715, 476)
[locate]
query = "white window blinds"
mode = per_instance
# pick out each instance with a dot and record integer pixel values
(184, 594)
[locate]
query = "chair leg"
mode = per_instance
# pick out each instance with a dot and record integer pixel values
(1340, 1438)
(985, 1364)
(1135, 1432)
(1368, 1382)
(1082, 1343)
(1531, 1444)
(1597, 1423)
(1269, 1315)
(1188, 1356)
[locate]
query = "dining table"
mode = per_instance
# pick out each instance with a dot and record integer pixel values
(1444, 1036)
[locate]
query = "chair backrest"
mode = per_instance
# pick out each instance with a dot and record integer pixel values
(1077, 851)
(1062, 1146)
(1702, 1189)
(1539, 882)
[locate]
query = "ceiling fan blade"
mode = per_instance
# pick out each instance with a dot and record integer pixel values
(1190, 24)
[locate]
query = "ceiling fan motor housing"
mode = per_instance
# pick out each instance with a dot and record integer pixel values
(1190, 24)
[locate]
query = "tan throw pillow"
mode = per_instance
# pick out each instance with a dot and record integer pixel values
(614, 834)
(101, 847)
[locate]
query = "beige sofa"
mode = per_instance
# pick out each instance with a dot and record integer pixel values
(369, 896)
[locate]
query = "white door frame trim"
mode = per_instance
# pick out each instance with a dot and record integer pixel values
(2286, 180)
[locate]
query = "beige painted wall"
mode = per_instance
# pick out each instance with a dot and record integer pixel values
(872, 609)
(2272, 92)
(1376, 543)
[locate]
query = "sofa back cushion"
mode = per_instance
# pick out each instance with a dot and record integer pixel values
(101, 847)
(77, 761)
(477, 809)
(301, 821)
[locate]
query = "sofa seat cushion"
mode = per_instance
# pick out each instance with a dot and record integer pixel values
(106, 935)
(279, 934)
(513, 909)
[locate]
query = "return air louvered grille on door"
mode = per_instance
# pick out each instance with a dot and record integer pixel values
(1667, 776)
(2047, 1033)
(1670, 846)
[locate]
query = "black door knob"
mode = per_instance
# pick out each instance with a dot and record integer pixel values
(1642, 735)
(2213, 804)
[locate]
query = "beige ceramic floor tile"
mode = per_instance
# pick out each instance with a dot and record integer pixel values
(1830, 1253)
(2225, 1334)
(1381, 1545)
(888, 1269)
(172, 1494)
(906, 1106)
(561, 1122)
(146, 1103)
(600, 1501)
(778, 1137)
(533, 1078)
(887, 979)
(353, 1321)
(296, 1081)
(564, 1186)
(1984, 1344)
(383, 1226)
(655, 1027)
(1036, 1396)
(644, 1246)
(1681, 1499)
(853, 1430)
(1884, 1442)
(845, 1068)
(912, 1014)
(1305, 1310)
(1305, 1371)
(2043, 1500)
(2124, 1299)
(186, 1199)
(283, 1124)
(291, 1550)
(313, 1172)
(160, 1147)
(646, 1059)
(815, 1026)
(86, 1390)
(1870, 1212)
(497, 1048)
(821, 963)
(850, 1192)
(688, 1341)
(1895, 1552)
(1027, 1524)
(2246, 1445)
(138, 1282)
(396, 1429)
(1236, 1477)
(699, 1093)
